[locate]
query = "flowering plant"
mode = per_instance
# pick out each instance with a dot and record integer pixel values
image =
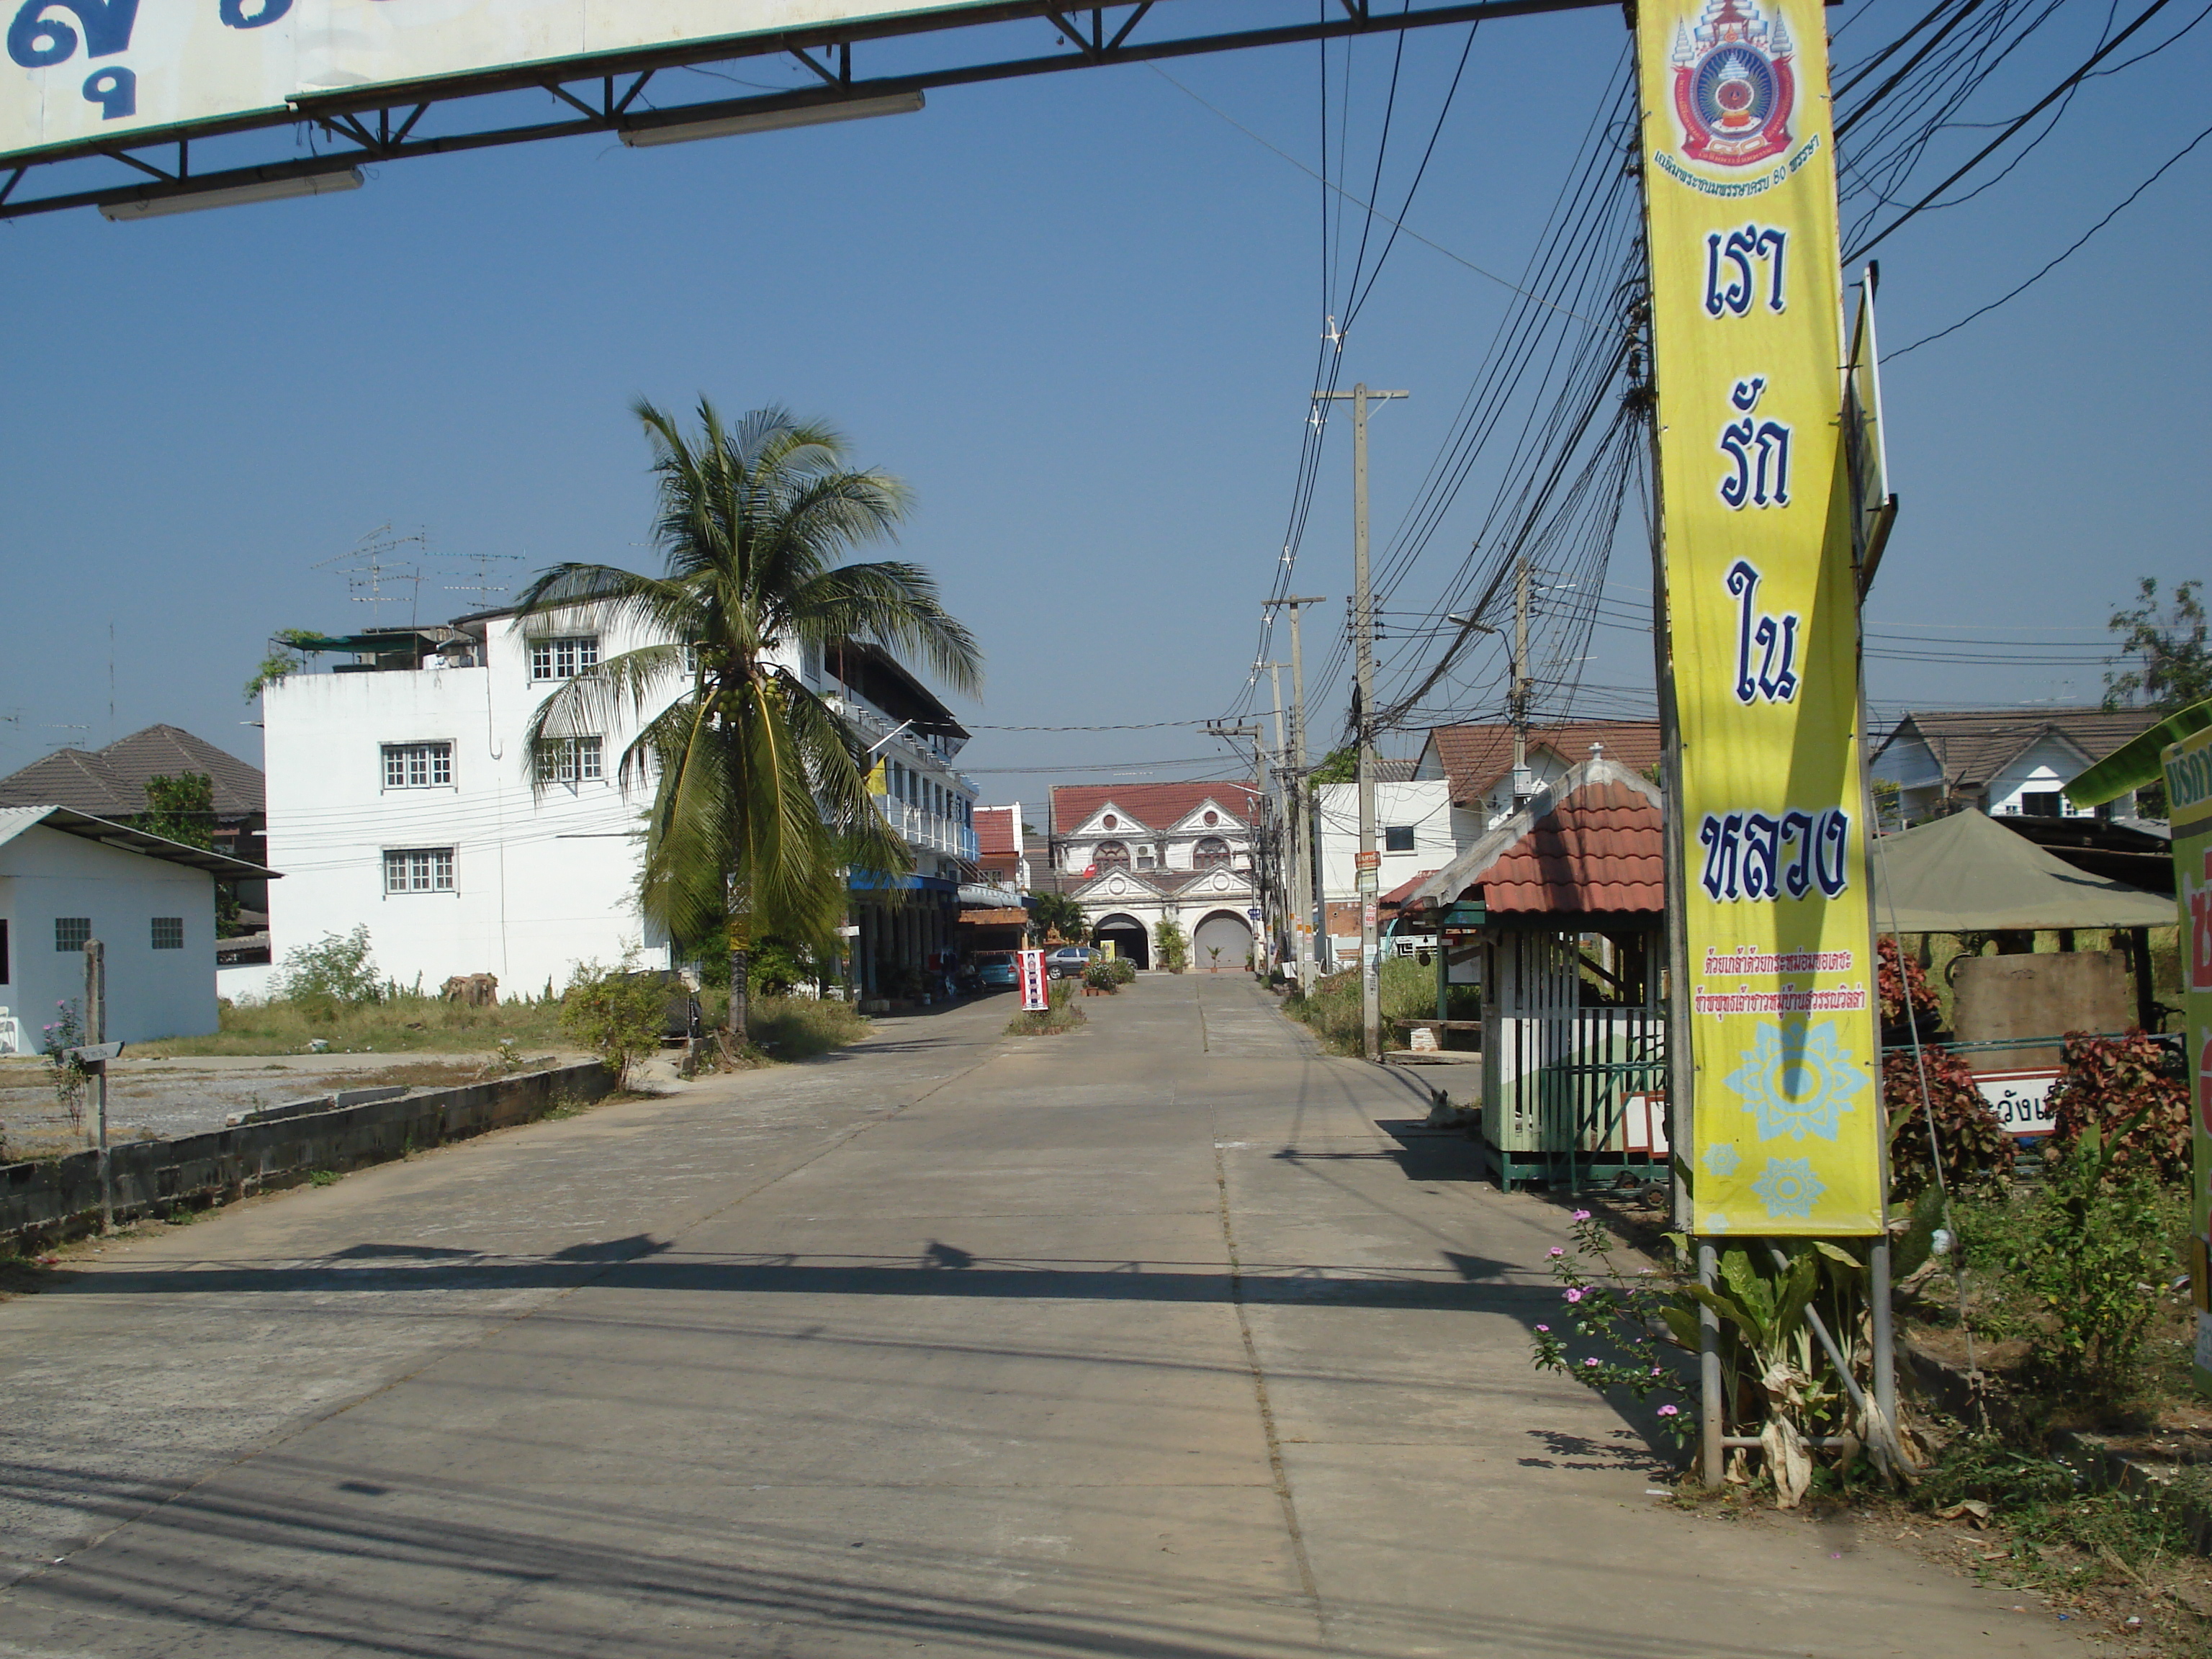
(65, 1031)
(1624, 1315)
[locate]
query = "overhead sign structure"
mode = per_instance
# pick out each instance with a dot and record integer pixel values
(98, 70)
(143, 83)
(1762, 616)
(2189, 805)
(1037, 988)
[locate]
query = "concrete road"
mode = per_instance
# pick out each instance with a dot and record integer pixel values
(1168, 1338)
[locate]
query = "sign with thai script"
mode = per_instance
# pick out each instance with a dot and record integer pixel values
(2021, 1100)
(94, 71)
(2189, 807)
(1761, 612)
(1036, 987)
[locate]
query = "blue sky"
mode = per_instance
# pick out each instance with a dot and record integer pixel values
(1079, 314)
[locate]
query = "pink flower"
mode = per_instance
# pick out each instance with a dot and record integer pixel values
(1545, 1328)
(1589, 1362)
(1670, 1411)
(1656, 1371)
(1574, 1296)
(1582, 1215)
(1555, 1251)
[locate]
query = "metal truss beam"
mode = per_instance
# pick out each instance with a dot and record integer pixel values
(396, 110)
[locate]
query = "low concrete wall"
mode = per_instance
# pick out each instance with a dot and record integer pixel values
(43, 1202)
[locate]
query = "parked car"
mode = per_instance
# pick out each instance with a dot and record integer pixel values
(1069, 961)
(996, 970)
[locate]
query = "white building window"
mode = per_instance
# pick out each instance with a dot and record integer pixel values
(419, 870)
(571, 760)
(417, 765)
(168, 932)
(563, 658)
(71, 932)
(1398, 838)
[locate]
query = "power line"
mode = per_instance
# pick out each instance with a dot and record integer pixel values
(2074, 248)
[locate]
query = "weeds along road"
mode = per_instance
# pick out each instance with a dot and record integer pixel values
(1167, 1338)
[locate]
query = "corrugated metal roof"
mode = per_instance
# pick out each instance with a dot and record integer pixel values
(1593, 842)
(14, 820)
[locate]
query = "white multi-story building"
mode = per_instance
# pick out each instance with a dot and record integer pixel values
(401, 796)
(1418, 831)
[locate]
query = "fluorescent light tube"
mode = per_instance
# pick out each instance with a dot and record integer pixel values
(263, 190)
(804, 115)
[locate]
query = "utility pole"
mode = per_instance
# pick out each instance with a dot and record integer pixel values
(1521, 680)
(1281, 772)
(1215, 729)
(1363, 630)
(95, 1034)
(1302, 896)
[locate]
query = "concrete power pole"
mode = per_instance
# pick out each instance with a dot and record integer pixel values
(1363, 630)
(1281, 772)
(1302, 893)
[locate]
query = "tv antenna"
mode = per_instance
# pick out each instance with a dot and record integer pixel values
(483, 587)
(369, 568)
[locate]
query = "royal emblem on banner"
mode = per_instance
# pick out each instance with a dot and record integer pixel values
(1734, 89)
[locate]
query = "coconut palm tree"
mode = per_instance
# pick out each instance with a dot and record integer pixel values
(760, 791)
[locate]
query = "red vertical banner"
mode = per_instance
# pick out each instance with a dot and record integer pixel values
(1037, 989)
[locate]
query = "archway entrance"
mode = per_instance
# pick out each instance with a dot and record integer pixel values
(1129, 938)
(1222, 945)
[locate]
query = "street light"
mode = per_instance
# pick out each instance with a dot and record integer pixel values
(261, 190)
(769, 120)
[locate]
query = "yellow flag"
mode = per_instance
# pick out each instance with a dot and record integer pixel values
(1762, 611)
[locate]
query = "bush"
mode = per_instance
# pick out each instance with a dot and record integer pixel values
(1408, 992)
(1901, 979)
(772, 967)
(337, 971)
(2093, 1252)
(1062, 1016)
(616, 1012)
(1975, 1143)
(2104, 1081)
(1171, 946)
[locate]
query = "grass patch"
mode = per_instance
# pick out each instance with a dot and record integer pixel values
(1063, 1016)
(799, 1028)
(406, 1021)
(1409, 991)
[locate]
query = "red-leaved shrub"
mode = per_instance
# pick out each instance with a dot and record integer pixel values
(2107, 1080)
(1974, 1143)
(1899, 976)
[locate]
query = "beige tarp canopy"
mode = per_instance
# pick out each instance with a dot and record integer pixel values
(1967, 873)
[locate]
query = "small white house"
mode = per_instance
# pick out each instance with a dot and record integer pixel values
(1418, 831)
(65, 877)
(2007, 763)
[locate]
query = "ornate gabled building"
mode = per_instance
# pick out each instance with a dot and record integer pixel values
(1133, 855)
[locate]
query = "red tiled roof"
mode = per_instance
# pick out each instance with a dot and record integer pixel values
(1397, 895)
(1600, 848)
(1476, 756)
(995, 832)
(1152, 806)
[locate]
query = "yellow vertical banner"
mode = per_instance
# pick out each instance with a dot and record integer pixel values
(2189, 806)
(1762, 609)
